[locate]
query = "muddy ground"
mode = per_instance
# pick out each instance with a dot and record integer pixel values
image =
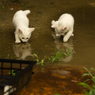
(54, 78)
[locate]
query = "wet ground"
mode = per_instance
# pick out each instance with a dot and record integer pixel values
(59, 77)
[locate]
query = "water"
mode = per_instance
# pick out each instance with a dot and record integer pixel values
(42, 13)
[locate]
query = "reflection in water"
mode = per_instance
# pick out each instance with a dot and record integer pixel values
(91, 2)
(61, 72)
(22, 50)
(61, 45)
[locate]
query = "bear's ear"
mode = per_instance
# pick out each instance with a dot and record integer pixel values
(31, 29)
(19, 31)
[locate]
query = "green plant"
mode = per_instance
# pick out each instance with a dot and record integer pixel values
(10, 57)
(91, 89)
(12, 73)
(3, 7)
(38, 61)
(69, 52)
(7, 57)
(56, 55)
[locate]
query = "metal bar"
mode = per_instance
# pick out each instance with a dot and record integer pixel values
(5, 76)
(2, 68)
(16, 61)
(20, 74)
(10, 69)
(15, 78)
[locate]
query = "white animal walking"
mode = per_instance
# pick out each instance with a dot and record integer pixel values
(21, 23)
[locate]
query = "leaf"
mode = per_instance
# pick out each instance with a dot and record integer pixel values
(66, 50)
(94, 74)
(93, 85)
(3, 7)
(85, 74)
(85, 85)
(8, 55)
(42, 61)
(88, 71)
(92, 69)
(65, 54)
(47, 57)
(93, 79)
(86, 92)
(92, 92)
(87, 80)
(42, 64)
(36, 55)
(13, 74)
(53, 59)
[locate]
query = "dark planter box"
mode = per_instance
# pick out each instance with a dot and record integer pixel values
(10, 83)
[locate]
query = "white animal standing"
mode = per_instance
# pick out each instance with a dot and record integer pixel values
(21, 23)
(64, 26)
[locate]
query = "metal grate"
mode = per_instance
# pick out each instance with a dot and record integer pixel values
(14, 74)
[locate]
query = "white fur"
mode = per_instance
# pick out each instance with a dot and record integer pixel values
(21, 23)
(64, 26)
(7, 91)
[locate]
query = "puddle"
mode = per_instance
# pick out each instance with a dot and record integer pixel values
(62, 80)
(43, 43)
